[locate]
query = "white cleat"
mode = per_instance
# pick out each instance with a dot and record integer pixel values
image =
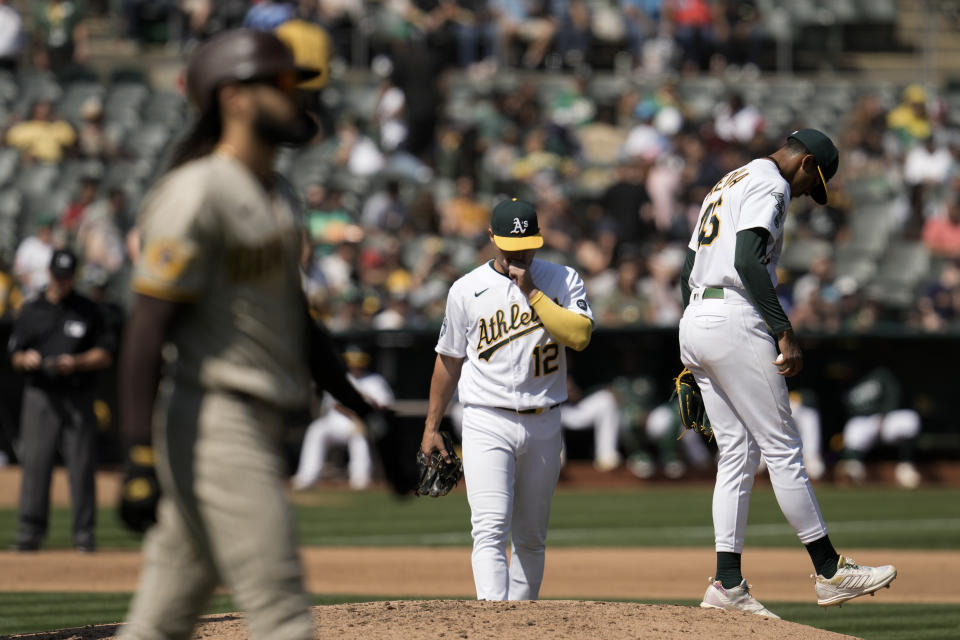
(852, 581)
(735, 599)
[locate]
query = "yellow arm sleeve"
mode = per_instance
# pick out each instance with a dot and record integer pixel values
(567, 327)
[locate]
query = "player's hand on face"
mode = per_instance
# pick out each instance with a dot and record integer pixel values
(790, 361)
(519, 272)
(432, 441)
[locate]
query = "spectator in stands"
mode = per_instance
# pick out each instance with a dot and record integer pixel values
(527, 21)
(196, 14)
(415, 72)
(464, 215)
(384, 210)
(694, 23)
(641, 18)
(59, 343)
(74, 213)
(476, 33)
(337, 425)
(910, 120)
(93, 141)
(32, 261)
(737, 121)
(868, 126)
(939, 304)
(627, 205)
(661, 287)
(42, 137)
(738, 38)
(60, 28)
(574, 35)
(99, 239)
(11, 36)
(625, 305)
(354, 150)
(941, 232)
(816, 297)
(878, 413)
(388, 119)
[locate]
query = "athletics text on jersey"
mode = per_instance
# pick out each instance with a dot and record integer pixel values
(511, 359)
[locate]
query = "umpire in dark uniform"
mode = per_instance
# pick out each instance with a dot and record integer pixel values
(59, 343)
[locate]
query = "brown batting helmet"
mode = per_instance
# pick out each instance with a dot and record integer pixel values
(239, 55)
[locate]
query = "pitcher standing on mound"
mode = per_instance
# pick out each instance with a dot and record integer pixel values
(732, 329)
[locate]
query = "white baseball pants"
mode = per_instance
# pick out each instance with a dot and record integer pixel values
(861, 432)
(511, 463)
(725, 343)
(334, 428)
(600, 411)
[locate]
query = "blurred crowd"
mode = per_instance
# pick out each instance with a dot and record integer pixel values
(435, 110)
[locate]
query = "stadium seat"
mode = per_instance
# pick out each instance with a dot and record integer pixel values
(147, 141)
(870, 229)
(76, 95)
(74, 169)
(8, 88)
(9, 160)
(11, 203)
(798, 255)
(854, 262)
(167, 108)
(37, 179)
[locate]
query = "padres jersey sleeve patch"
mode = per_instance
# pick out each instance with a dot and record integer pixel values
(174, 257)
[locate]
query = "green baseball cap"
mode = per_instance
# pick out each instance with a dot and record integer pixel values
(514, 225)
(825, 153)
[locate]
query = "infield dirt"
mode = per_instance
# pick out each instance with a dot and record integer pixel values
(555, 619)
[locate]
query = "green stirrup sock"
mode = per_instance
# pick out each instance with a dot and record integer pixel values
(728, 569)
(824, 556)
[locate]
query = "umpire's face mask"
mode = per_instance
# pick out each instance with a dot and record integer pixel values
(282, 119)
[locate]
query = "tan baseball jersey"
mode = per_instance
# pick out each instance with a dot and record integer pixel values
(213, 236)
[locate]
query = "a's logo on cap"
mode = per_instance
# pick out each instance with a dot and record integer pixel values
(63, 261)
(520, 226)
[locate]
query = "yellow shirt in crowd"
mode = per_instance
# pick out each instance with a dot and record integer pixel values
(41, 140)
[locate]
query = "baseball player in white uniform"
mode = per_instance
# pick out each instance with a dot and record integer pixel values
(731, 330)
(507, 323)
(338, 426)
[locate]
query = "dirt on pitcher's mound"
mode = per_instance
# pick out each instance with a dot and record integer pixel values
(555, 619)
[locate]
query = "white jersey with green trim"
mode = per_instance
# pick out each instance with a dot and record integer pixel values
(511, 360)
(755, 195)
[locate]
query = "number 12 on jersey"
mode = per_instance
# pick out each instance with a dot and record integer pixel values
(709, 224)
(544, 359)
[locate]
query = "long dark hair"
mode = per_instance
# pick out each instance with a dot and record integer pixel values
(200, 140)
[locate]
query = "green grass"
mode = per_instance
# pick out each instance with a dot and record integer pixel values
(28, 612)
(871, 517)
(871, 621)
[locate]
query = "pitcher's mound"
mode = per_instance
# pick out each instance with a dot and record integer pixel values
(554, 619)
